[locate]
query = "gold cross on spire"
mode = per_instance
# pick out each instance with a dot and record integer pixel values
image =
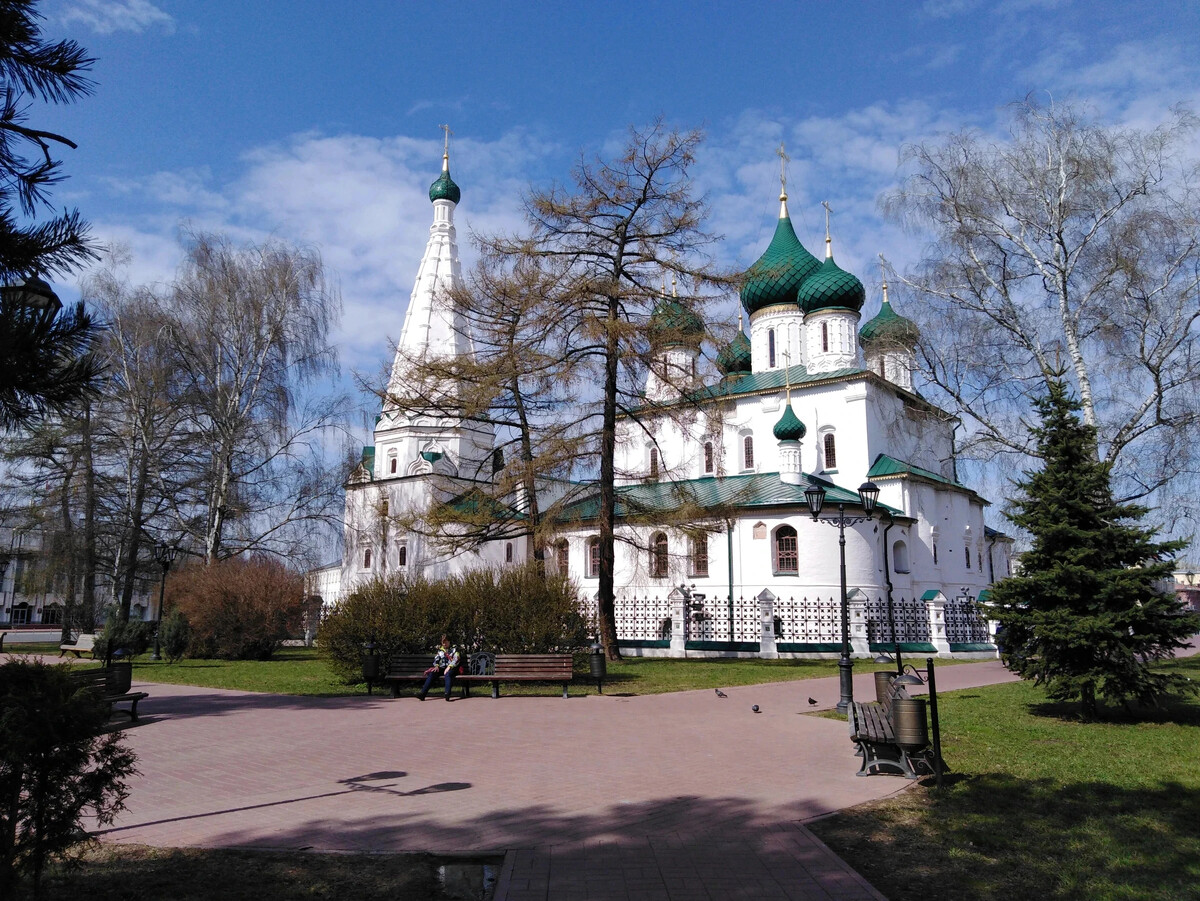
(828, 239)
(446, 146)
(883, 264)
(787, 376)
(784, 159)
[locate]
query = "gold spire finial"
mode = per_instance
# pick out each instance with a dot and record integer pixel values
(446, 147)
(828, 239)
(674, 293)
(787, 375)
(741, 325)
(883, 264)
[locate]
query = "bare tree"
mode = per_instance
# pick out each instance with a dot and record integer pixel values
(1069, 242)
(251, 335)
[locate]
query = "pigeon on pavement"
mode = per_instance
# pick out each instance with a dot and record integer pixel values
(721, 694)
(812, 702)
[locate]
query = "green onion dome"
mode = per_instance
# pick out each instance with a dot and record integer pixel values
(779, 272)
(444, 188)
(735, 357)
(889, 327)
(672, 323)
(831, 287)
(789, 427)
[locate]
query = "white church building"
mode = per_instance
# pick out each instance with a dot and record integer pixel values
(811, 397)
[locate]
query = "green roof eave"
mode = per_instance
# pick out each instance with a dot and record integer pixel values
(760, 383)
(721, 493)
(886, 467)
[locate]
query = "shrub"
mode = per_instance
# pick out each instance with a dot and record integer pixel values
(56, 761)
(237, 609)
(174, 635)
(515, 610)
(133, 636)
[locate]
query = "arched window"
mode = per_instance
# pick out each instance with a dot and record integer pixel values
(771, 348)
(698, 558)
(654, 462)
(900, 557)
(593, 558)
(708, 457)
(935, 553)
(787, 558)
(367, 559)
(508, 553)
(658, 556)
(830, 447)
(748, 452)
(967, 555)
(825, 336)
(402, 554)
(562, 556)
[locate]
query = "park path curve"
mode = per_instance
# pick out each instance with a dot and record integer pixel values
(673, 796)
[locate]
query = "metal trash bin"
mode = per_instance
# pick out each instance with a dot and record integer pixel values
(598, 666)
(118, 677)
(883, 685)
(910, 724)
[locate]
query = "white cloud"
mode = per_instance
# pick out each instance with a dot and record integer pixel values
(110, 16)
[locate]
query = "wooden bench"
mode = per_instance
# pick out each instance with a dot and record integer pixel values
(100, 681)
(85, 641)
(483, 667)
(2, 634)
(873, 730)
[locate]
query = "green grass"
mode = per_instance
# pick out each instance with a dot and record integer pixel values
(138, 873)
(1041, 804)
(301, 671)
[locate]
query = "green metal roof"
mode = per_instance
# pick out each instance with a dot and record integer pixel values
(789, 427)
(930, 594)
(889, 326)
(672, 323)
(778, 273)
(735, 357)
(763, 489)
(831, 287)
(368, 456)
(771, 380)
(885, 466)
(444, 188)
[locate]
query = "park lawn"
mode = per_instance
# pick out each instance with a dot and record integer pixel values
(139, 873)
(1040, 805)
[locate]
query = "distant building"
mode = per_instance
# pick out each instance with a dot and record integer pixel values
(32, 588)
(810, 397)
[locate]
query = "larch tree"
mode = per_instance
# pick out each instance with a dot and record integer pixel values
(627, 221)
(1066, 240)
(1087, 616)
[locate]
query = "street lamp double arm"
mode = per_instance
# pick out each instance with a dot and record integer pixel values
(868, 495)
(164, 556)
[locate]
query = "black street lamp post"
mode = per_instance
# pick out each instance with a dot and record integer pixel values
(164, 555)
(868, 495)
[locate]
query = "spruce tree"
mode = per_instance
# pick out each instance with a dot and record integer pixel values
(1086, 616)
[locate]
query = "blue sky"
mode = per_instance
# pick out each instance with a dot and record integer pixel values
(318, 122)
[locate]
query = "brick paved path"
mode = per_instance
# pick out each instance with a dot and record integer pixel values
(680, 796)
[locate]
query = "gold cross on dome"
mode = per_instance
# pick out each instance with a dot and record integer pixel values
(784, 159)
(446, 147)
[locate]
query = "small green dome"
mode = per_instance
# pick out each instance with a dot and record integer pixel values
(735, 357)
(672, 323)
(789, 427)
(779, 272)
(889, 327)
(444, 188)
(831, 287)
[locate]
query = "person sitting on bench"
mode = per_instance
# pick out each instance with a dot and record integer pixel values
(445, 663)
